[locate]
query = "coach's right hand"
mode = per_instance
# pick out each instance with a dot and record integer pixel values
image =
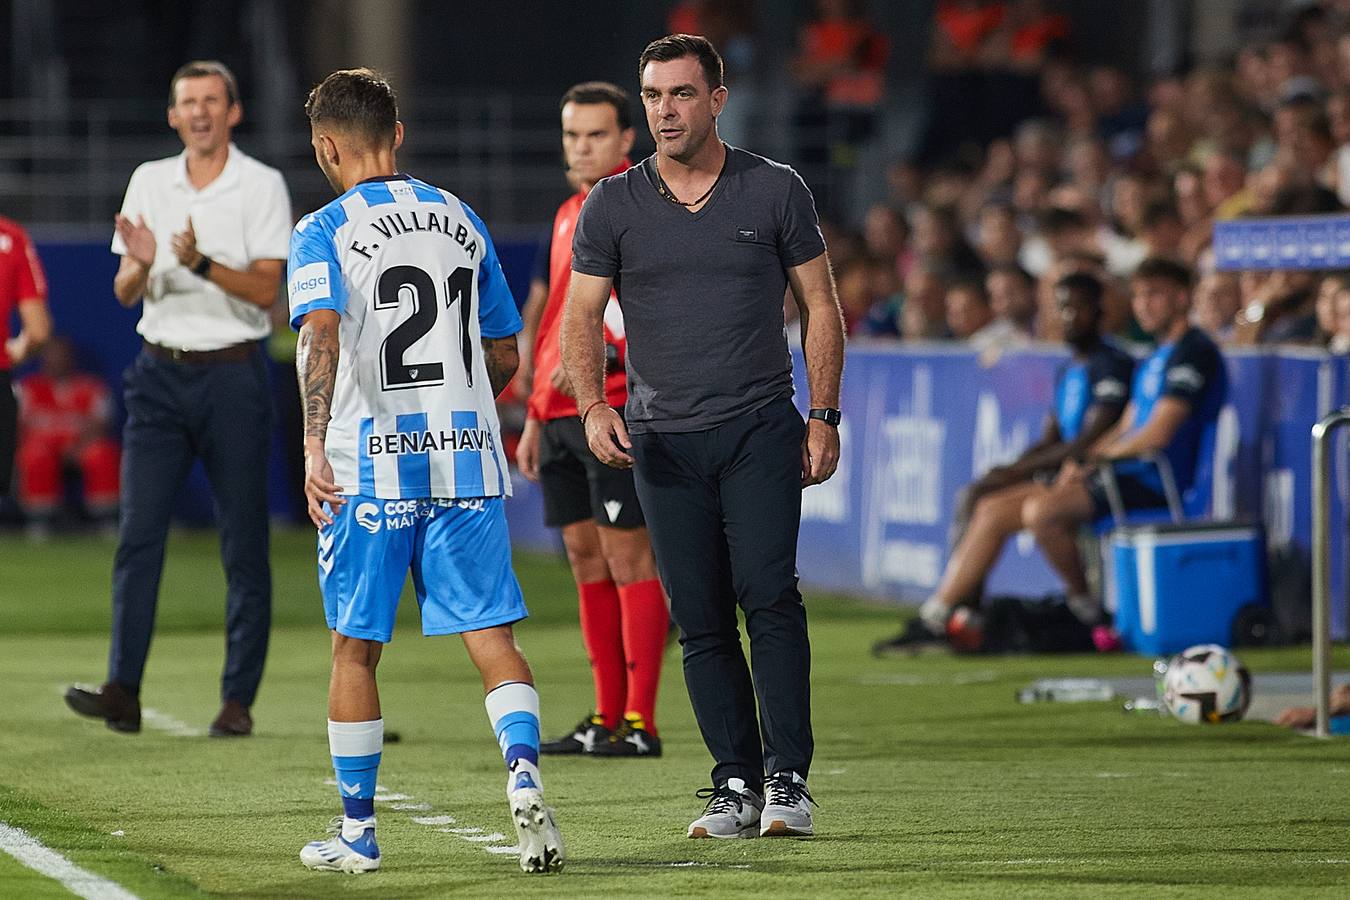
(527, 451)
(319, 486)
(608, 437)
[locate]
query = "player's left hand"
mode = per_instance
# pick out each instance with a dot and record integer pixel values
(184, 245)
(820, 452)
(561, 383)
(319, 487)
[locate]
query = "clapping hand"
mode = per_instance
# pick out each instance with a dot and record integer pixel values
(184, 245)
(138, 238)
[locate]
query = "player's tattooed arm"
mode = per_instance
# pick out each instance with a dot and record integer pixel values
(316, 361)
(503, 358)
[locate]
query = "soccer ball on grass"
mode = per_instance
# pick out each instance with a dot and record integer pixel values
(1206, 684)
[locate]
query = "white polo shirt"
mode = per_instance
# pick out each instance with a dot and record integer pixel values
(244, 215)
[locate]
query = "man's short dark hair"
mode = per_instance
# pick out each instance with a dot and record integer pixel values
(1089, 286)
(205, 68)
(596, 92)
(678, 46)
(1060, 220)
(359, 101)
(1167, 269)
(1157, 212)
(974, 285)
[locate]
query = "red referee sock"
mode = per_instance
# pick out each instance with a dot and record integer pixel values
(602, 631)
(645, 621)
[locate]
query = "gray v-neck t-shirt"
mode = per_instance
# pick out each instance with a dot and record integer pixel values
(701, 293)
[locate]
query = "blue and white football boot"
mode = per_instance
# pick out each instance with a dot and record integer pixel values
(537, 834)
(351, 848)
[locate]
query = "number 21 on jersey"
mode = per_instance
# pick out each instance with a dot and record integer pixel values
(411, 288)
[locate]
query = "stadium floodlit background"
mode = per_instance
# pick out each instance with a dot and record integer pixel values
(940, 138)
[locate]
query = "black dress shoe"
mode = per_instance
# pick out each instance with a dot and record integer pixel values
(232, 721)
(111, 702)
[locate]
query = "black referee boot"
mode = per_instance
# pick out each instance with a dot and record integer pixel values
(630, 739)
(589, 733)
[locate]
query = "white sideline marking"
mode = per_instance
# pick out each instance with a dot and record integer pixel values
(45, 861)
(700, 865)
(168, 724)
(405, 803)
(899, 679)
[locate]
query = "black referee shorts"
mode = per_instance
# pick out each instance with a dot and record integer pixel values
(9, 431)
(577, 486)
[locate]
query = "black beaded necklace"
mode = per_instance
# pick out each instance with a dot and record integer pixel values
(664, 190)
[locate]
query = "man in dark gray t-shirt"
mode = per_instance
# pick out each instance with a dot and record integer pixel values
(700, 241)
(702, 293)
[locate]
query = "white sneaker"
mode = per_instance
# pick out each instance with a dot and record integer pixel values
(732, 812)
(787, 810)
(351, 848)
(541, 843)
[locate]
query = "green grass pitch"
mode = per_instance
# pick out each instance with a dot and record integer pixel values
(932, 781)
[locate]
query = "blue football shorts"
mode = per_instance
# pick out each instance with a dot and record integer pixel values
(459, 552)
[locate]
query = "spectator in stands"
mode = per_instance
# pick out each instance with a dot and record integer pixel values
(1277, 308)
(923, 315)
(939, 243)
(1062, 231)
(1090, 393)
(65, 417)
(886, 237)
(1012, 298)
(1218, 297)
(1000, 240)
(1339, 341)
(1177, 392)
(1162, 229)
(968, 310)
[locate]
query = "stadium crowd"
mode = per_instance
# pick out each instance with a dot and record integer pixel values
(1090, 172)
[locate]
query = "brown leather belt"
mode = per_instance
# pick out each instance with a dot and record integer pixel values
(231, 354)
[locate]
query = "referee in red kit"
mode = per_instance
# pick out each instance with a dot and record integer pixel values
(700, 241)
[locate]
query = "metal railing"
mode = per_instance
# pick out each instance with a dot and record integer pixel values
(1321, 547)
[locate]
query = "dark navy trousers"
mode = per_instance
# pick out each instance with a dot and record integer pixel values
(220, 413)
(723, 507)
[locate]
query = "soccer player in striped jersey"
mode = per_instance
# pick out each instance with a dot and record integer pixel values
(407, 334)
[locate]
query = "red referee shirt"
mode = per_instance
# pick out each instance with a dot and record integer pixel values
(547, 402)
(21, 276)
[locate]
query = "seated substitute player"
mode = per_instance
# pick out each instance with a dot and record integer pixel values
(407, 334)
(623, 610)
(1090, 394)
(1176, 390)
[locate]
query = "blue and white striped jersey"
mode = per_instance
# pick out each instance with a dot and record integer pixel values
(414, 275)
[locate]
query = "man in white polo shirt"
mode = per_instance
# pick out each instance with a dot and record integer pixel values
(203, 238)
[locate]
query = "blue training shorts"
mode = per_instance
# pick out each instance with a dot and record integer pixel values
(459, 552)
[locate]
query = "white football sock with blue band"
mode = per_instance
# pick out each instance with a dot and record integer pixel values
(356, 749)
(513, 710)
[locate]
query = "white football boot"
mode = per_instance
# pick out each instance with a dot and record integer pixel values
(787, 811)
(351, 848)
(732, 812)
(540, 841)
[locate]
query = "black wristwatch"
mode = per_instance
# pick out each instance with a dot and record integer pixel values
(827, 415)
(203, 266)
